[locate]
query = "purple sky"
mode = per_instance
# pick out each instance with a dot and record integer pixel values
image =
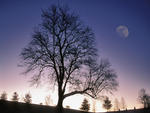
(129, 56)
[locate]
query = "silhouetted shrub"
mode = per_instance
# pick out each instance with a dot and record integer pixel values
(3, 96)
(27, 98)
(15, 97)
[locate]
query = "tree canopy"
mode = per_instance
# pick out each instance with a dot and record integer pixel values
(63, 49)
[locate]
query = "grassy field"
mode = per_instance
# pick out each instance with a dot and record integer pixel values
(14, 107)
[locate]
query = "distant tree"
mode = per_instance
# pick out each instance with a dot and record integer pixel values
(27, 98)
(63, 47)
(144, 98)
(48, 100)
(3, 96)
(107, 104)
(123, 104)
(15, 97)
(94, 106)
(85, 105)
(116, 105)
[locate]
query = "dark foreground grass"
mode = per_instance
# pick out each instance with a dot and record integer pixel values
(17, 107)
(133, 111)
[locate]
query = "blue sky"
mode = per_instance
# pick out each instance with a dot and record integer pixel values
(128, 56)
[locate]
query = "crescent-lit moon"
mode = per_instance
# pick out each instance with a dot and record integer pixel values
(122, 31)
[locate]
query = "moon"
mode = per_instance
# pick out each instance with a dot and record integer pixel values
(122, 31)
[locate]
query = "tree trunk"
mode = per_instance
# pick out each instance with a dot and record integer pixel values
(59, 106)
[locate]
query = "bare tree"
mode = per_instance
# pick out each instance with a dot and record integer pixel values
(107, 103)
(3, 96)
(15, 97)
(48, 100)
(123, 104)
(144, 98)
(116, 104)
(85, 106)
(27, 98)
(94, 106)
(64, 48)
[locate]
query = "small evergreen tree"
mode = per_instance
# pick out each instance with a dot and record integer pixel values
(3, 96)
(85, 105)
(27, 98)
(107, 103)
(15, 97)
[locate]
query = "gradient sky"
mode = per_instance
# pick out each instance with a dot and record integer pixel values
(129, 56)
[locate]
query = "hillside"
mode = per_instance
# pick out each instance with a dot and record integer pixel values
(13, 107)
(17, 107)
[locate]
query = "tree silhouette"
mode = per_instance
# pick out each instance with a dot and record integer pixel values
(123, 104)
(3, 96)
(27, 98)
(85, 106)
(64, 48)
(107, 103)
(144, 98)
(15, 97)
(116, 105)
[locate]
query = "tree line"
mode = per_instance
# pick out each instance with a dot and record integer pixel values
(15, 97)
(143, 98)
(27, 98)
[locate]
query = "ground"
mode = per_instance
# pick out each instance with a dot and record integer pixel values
(15, 107)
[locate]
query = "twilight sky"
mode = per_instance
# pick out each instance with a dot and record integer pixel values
(128, 53)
